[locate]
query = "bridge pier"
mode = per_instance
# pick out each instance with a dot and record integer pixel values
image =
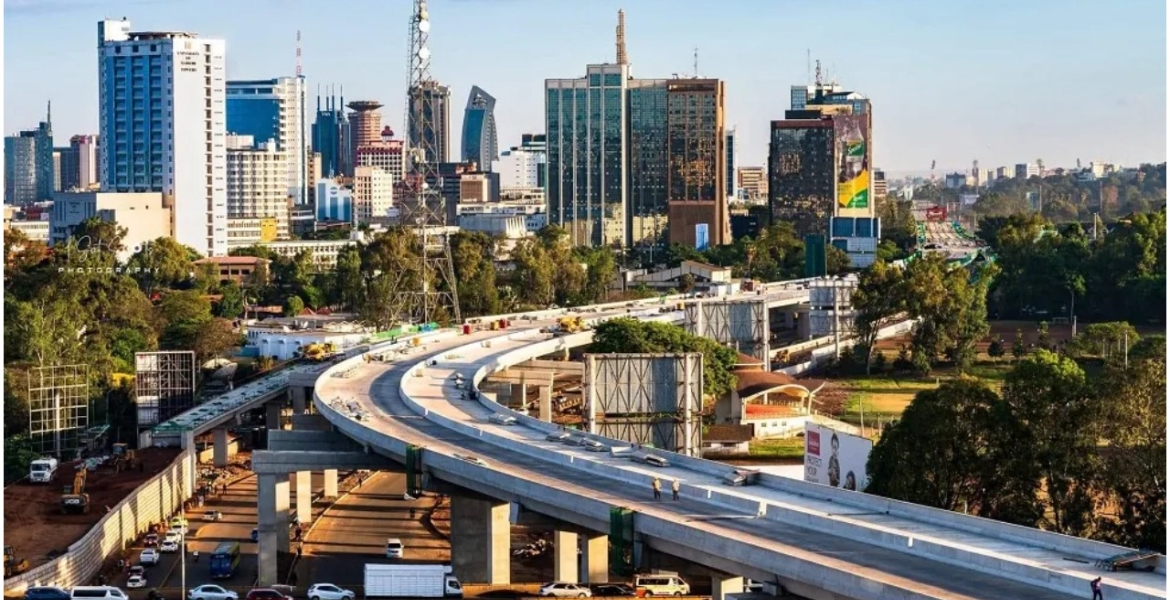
(304, 501)
(723, 585)
(272, 498)
(330, 490)
(594, 558)
(221, 450)
(545, 411)
(272, 412)
(299, 399)
(565, 556)
(480, 540)
(519, 396)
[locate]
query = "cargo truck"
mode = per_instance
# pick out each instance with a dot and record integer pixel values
(411, 581)
(42, 470)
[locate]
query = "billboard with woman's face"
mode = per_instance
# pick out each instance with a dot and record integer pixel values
(835, 458)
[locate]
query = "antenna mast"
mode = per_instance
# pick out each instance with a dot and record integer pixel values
(622, 59)
(427, 292)
(298, 53)
(696, 62)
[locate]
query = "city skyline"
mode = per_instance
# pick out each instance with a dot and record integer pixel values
(1007, 98)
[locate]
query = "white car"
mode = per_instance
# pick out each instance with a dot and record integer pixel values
(136, 581)
(328, 591)
(169, 546)
(565, 590)
(148, 557)
(211, 592)
(178, 524)
(172, 536)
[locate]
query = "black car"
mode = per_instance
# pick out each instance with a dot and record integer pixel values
(613, 589)
(46, 593)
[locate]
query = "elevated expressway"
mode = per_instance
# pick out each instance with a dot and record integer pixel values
(815, 541)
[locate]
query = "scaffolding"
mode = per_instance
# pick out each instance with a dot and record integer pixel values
(164, 385)
(741, 324)
(58, 409)
(653, 400)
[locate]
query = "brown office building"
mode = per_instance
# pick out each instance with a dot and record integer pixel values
(696, 173)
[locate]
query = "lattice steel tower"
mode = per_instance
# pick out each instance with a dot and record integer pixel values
(427, 297)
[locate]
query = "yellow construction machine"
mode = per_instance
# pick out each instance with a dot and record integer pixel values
(124, 458)
(13, 566)
(320, 351)
(570, 324)
(75, 500)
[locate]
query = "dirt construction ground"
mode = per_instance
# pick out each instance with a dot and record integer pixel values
(33, 522)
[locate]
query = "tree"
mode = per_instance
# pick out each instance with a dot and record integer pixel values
(626, 335)
(184, 314)
(215, 337)
(97, 235)
(475, 272)
(293, 306)
(995, 349)
(686, 283)
(1106, 340)
(877, 301)
(1018, 347)
(348, 282)
(161, 264)
(18, 455)
(231, 303)
(534, 273)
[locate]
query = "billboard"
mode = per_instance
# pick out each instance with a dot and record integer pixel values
(58, 408)
(835, 458)
(164, 385)
(702, 236)
(851, 133)
(268, 229)
(649, 399)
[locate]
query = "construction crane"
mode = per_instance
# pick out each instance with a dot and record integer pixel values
(429, 292)
(12, 565)
(74, 500)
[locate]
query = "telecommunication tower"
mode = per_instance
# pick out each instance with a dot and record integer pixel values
(430, 293)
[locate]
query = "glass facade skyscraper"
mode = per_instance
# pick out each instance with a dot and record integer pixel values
(479, 129)
(331, 137)
(801, 174)
(273, 109)
(20, 170)
(432, 105)
(647, 162)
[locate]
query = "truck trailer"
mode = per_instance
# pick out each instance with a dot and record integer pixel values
(42, 470)
(411, 581)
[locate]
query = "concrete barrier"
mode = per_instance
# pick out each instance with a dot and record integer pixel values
(155, 500)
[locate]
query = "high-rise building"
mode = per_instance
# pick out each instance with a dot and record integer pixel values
(696, 176)
(365, 124)
(386, 154)
(646, 160)
(20, 169)
(436, 121)
(1027, 170)
(46, 169)
(331, 137)
(522, 167)
(85, 147)
(373, 194)
(753, 181)
(881, 187)
(479, 129)
(163, 124)
(257, 184)
(57, 168)
(333, 202)
(730, 163)
(802, 178)
(274, 109)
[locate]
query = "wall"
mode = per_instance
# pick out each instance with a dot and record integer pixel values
(207, 454)
(156, 500)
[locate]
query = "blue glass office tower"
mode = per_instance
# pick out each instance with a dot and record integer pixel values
(273, 109)
(479, 129)
(331, 137)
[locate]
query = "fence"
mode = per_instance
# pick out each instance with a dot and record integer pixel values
(153, 501)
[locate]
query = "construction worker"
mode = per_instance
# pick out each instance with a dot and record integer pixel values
(657, 485)
(674, 488)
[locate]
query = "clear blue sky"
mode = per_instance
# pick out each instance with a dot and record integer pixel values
(1001, 81)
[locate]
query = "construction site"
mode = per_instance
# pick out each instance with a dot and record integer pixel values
(54, 515)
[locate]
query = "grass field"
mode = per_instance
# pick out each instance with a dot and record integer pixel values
(788, 448)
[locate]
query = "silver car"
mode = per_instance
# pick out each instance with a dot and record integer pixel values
(328, 591)
(211, 592)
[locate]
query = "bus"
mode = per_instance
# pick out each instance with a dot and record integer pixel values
(225, 560)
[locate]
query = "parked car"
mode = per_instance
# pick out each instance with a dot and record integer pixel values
(557, 436)
(149, 556)
(565, 590)
(150, 540)
(211, 592)
(213, 515)
(614, 589)
(266, 594)
(45, 593)
(328, 591)
(136, 581)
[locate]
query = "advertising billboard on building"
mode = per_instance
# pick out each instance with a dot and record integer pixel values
(702, 236)
(268, 229)
(851, 133)
(835, 458)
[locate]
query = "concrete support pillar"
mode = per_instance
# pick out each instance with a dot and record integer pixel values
(220, 451)
(272, 414)
(330, 483)
(721, 586)
(595, 558)
(565, 354)
(191, 458)
(519, 394)
(789, 319)
(297, 395)
(565, 556)
(480, 541)
(304, 485)
(272, 510)
(545, 392)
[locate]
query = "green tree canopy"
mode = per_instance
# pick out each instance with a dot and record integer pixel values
(631, 336)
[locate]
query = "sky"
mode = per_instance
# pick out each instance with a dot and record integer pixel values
(999, 81)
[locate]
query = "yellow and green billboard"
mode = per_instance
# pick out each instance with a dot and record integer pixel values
(852, 146)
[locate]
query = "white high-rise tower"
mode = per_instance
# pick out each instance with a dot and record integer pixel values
(163, 125)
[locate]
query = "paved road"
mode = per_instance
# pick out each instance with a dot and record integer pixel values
(354, 531)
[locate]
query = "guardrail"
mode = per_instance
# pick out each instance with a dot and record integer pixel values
(152, 502)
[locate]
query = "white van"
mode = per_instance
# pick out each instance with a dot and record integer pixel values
(662, 585)
(97, 592)
(394, 548)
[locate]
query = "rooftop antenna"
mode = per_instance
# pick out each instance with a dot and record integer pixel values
(298, 54)
(622, 59)
(818, 79)
(696, 62)
(808, 67)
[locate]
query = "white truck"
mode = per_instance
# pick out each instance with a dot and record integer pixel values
(411, 581)
(42, 470)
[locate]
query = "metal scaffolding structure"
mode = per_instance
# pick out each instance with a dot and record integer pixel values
(433, 294)
(164, 385)
(649, 399)
(741, 324)
(58, 408)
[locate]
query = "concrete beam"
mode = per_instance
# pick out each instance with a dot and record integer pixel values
(272, 510)
(594, 558)
(721, 586)
(480, 541)
(304, 503)
(310, 423)
(310, 441)
(559, 366)
(509, 376)
(220, 451)
(299, 399)
(285, 462)
(565, 556)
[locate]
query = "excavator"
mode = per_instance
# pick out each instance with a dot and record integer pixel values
(124, 458)
(75, 500)
(570, 324)
(12, 565)
(319, 351)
